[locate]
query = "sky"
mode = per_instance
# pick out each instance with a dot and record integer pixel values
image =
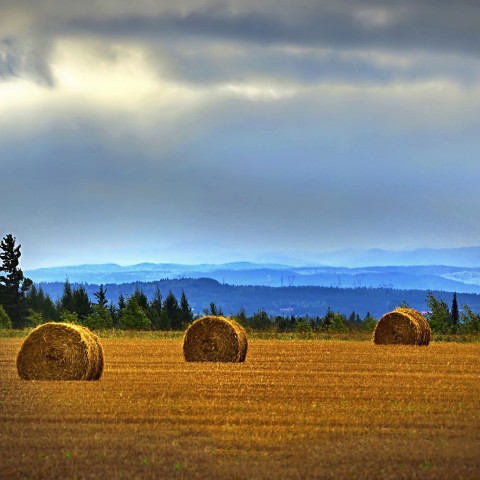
(209, 131)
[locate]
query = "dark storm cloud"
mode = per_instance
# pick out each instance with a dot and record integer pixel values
(423, 25)
(20, 60)
(182, 37)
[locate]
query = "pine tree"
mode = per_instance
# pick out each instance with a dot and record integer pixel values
(241, 317)
(141, 299)
(328, 319)
(156, 303)
(121, 303)
(114, 313)
(66, 300)
(186, 311)
(13, 285)
(215, 311)
(171, 310)
(155, 309)
(33, 299)
(41, 303)
(101, 296)
(454, 314)
(49, 311)
(81, 303)
(369, 323)
(338, 323)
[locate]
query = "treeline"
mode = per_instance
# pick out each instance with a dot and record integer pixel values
(134, 312)
(137, 312)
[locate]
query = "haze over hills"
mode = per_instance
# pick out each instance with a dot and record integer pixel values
(463, 257)
(448, 270)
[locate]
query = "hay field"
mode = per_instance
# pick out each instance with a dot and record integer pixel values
(294, 409)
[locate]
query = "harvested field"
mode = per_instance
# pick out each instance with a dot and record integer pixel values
(294, 409)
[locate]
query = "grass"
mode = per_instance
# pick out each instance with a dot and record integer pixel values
(294, 409)
(357, 335)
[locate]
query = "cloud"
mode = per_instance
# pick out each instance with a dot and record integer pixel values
(252, 126)
(210, 42)
(427, 25)
(24, 60)
(329, 170)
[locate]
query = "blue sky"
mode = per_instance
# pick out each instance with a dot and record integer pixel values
(209, 131)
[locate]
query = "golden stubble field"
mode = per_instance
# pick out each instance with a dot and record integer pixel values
(294, 409)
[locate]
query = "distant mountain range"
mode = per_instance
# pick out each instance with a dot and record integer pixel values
(448, 270)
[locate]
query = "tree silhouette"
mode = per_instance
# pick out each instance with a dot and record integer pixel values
(454, 314)
(13, 284)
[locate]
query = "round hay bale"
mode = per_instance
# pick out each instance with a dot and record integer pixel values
(423, 322)
(60, 351)
(398, 327)
(215, 339)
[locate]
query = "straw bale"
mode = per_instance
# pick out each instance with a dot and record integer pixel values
(423, 322)
(215, 339)
(60, 351)
(398, 327)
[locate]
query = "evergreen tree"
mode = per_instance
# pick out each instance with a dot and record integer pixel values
(13, 284)
(215, 311)
(49, 311)
(369, 323)
(121, 303)
(171, 310)
(33, 299)
(40, 303)
(283, 324)
(113, 313)
(81, 303)
(241, 317)
(454, 314)
(304, 327)
(186, 311)
(352, 318)
(101, 296)
(165, 323)
(338, 323)
(328, 319)
(66, 300)
(155, 310)
(142, 299)
(260, 320)
(133, 317)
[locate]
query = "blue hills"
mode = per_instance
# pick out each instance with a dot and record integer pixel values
(446, 269)
(344, 281)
